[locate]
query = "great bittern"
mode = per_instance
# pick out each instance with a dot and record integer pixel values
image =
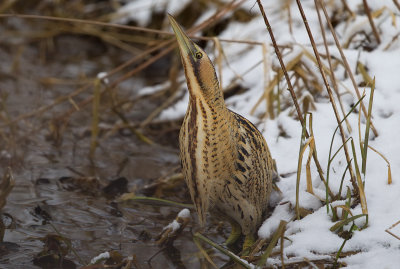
(225, 159)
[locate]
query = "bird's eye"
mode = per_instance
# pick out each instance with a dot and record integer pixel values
(199, 55)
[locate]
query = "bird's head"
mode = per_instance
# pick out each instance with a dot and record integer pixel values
(200, 73)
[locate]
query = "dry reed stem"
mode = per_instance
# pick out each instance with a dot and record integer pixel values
(290, 21)
(396, 4)
(387, 161)
(308, 164)
(133, 129)
(394, 38)
(44, 108)
(95, 117)
(126, 27)
(170, 100)
(218, 59)
(119, 68)
(310, 263)
(309, 143)
(391, 227)
(333, 103)
(345, 208)
(371, 21)
(278, 234)
(332, 73)
(308, 169)
(267, 69)
(204, 252)
(169, 233)
(306, 263)
(221, 55)
(347, 8)
(98, 23)
(346, 64)
(367, 128)
(275, 81)
(282, 248)
(228, 253)
(278, 53)
(360, 185)
(291, 90)
(364, 73)
(217, 15)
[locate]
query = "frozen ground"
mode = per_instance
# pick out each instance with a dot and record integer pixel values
(311, 237)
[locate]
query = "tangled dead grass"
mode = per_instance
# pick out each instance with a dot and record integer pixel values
(94, 95)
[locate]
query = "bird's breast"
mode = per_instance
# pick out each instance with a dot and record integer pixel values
(206, 144)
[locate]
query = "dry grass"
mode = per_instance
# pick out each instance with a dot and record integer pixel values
(146, 46)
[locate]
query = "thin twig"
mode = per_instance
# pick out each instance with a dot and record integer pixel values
(328, 88)
(231, 255)
(44, 108)
(291, 90)
(278, 234)
(120, 26)
(282, 247)
(347, 8)
(218, 15)
(167, 45)
(396, 4)
(332, 73)
(391, 227)
(346, 64)
(371, 21)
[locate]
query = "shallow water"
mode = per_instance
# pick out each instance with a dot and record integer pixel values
(58, 188)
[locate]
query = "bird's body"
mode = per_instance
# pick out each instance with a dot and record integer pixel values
(225, 159)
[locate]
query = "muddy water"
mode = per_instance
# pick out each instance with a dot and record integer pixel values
(58, 188)
(92, 223)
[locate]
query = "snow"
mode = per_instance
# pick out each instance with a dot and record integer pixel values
(184, 213)
(139, 11)
(101, 256)
(311, 237)
(174, 226)
(102, 76)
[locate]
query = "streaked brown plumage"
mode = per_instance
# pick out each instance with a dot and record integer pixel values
(225, 159)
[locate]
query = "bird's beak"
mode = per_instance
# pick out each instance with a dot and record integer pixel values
(186, 46)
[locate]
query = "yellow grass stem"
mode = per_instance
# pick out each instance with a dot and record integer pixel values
(342, 180)
(367, 128)
(387, 161)
(364, 73)
(344, 222)
(345, 62)
(203, 251)
(344, 208)
(328, 88)
(310, 153)
(330, 157)
(363, 199)
(272, 244)
(274, 82)
(231, 255)
(131, 197)
(303, 146)
(290, 87)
